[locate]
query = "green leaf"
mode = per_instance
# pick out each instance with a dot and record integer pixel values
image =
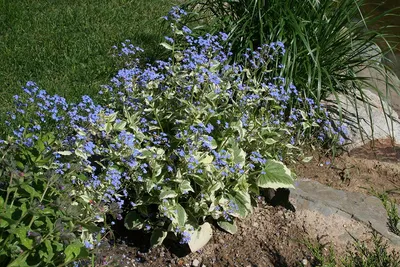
(20, 261)
(21, 233)
(230, 227)
(93, 228)
(181, 215)
(133, 221)
(20, 165)
(270, 141)
(32, 192)
(38, 223)
(82, 177)
(200, 237)
(49, 248)
(275, 175)
(157, 237)
(49, 223)
(168, 193)
(6, 221)
(72, 251)
(157, 168)
(40, 146)
(290, 146)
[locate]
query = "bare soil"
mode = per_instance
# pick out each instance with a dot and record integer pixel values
(271, 236)
(372, 167)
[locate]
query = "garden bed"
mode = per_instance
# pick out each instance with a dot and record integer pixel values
(198, 145)
(275, 236)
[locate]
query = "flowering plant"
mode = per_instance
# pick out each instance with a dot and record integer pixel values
(174, 143)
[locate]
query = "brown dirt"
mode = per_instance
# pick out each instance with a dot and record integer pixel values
(274, 236)
(271, 236)
(372, 167)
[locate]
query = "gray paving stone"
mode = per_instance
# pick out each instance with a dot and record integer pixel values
(311, 195)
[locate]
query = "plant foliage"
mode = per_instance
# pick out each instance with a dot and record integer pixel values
(171, 146)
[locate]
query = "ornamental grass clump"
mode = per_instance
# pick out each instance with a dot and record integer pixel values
(171, 146)
(328, 43)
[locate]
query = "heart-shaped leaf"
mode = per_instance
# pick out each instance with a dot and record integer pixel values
(275, 175)
(200, 237)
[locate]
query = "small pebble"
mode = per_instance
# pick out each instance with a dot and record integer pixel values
(304, 262)
(195, 263)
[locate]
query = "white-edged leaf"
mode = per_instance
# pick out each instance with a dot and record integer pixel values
(168, 194)
(200, 237)
(108, 127)
(215, 187)
(157, 237)
(275, 175)
(292, 146)
(112, 117)
(64, 153)
(238, 154)
(270, 141)
(167, 46)
(181, 215)
(119, 126)
(307, 159)
(207, 159)
(80, 154)
(214, 144)
(230, 227)
(243, 202)
(185, 187)
(133, 221)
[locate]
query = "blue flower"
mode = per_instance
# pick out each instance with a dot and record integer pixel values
(88, 245)
(186, 237)
(88, 147)
(186, 30)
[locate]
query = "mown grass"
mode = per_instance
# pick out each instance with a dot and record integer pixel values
(65, 46)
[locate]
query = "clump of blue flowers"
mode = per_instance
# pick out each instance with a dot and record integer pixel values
(180, 140)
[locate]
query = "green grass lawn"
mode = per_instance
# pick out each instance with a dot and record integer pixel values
(65, 45)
